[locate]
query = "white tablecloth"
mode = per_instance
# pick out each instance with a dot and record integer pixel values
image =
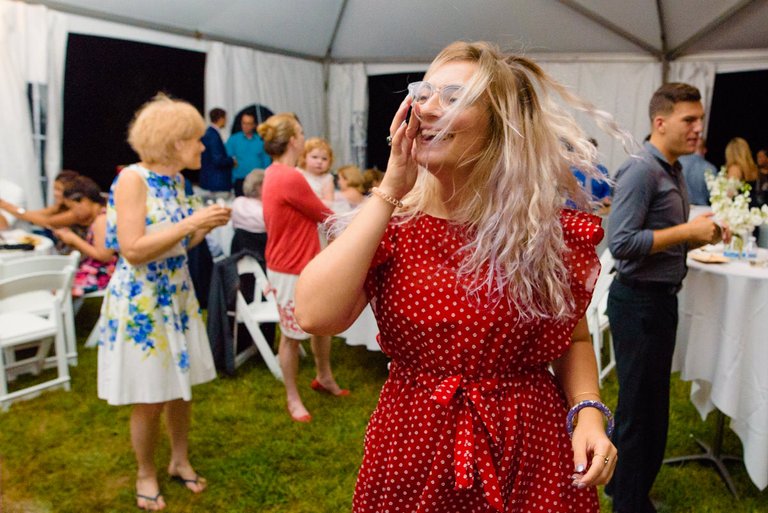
(722, 346)
(43, 245)
(363, 331)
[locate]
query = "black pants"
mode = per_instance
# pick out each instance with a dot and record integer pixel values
(643, 325)
(238, 186)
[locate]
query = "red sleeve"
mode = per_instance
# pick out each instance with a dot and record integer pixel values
(581, 232)
(383, 254)
(304, 199)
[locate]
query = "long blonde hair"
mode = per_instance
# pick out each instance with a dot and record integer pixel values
(738, 153)
(512, 199)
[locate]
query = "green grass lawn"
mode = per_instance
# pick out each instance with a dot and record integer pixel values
(70, 452)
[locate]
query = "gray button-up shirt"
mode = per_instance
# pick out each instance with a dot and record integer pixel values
(650, 195)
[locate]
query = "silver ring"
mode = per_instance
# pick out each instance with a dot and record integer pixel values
(389, 140)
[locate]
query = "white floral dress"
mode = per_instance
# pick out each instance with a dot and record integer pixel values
(153, 345)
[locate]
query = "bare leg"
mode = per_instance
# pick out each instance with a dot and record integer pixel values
(321, 348)
(177, 415)
(145, 425)
(288, 355)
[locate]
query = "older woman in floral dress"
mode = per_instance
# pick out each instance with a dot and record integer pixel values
(153, 345)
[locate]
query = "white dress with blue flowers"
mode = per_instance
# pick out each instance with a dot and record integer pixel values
(153, 344)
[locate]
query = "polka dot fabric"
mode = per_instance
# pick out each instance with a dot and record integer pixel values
(470, 419)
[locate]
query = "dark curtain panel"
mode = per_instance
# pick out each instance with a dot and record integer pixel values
(385, 92)
(739, 109)
(105, 81)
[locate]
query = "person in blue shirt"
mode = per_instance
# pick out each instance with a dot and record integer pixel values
(695, 167)
(216, 165)
(599, 189)
(247, 148)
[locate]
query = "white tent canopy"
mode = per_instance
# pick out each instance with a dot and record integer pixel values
(313, 56)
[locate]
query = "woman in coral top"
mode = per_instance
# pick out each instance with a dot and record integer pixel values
(479, 279)
(291, 214)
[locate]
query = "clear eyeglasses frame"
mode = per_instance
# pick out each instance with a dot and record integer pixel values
(448, 95)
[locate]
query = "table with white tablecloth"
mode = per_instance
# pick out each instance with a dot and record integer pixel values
(363, 331)
(722, 346)
(41, 245)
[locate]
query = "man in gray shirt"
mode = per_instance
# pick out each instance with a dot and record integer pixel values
(695, 168)
(649, 236)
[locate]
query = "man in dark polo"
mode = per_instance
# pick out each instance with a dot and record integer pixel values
(649, 236)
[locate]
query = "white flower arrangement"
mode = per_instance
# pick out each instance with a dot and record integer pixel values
(729, 198)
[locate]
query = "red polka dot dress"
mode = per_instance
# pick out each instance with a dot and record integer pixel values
(470, 419)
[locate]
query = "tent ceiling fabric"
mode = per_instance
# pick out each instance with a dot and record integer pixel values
(407, 31)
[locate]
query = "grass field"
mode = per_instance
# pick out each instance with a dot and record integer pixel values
(70, 452)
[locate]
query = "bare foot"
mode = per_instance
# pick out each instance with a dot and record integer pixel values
(298, 412)
(187, 476)
(148, 495)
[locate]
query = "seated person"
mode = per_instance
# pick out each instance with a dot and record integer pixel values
(84, 199)
(56, 215)
(248, 218)
(10, 195)
(372, 178)
(351, 189)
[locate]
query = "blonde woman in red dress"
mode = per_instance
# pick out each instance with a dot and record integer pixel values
(479, 279)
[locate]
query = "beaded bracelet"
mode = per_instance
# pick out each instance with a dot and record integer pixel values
(386, 197)
(571, 417)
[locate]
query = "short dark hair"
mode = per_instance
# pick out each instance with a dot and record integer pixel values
(84, 187)
(664, 99)
(216, 114)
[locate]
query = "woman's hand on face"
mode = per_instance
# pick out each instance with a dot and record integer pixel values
(211, 216)
(401, 168)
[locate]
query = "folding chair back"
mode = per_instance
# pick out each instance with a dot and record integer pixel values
(263, 308)
(37, 302)
(24, 329)
(597, 319)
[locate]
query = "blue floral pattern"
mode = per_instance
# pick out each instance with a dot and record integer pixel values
(153, 346)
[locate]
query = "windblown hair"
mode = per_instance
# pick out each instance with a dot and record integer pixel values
(354, 177)
(738, 153)
(252, 183)
(314, 143)
(665, 97)
(277, 131)
(159, 124)
(512, 200)
(84, 188)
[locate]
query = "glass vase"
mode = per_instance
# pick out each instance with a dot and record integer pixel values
(736, 248)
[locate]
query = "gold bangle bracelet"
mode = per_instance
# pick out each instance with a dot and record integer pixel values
(386, 197)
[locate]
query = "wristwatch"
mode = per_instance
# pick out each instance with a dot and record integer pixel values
(21, 211)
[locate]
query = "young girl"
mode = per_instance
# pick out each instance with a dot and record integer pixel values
(351, 188)
(315, 163)
(83, 198)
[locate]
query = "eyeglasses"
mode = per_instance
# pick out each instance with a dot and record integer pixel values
(421, 92)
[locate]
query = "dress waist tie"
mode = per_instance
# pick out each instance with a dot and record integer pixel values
(477, 423)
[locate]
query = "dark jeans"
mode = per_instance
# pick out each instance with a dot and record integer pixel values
(643, 325)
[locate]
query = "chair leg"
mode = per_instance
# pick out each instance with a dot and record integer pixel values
(264, 348)
(62, 362)
(69, 329)
(93, 336)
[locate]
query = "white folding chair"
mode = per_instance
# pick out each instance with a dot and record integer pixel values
(263, 308)
(39, 302)
(597, 319)
(22, 330)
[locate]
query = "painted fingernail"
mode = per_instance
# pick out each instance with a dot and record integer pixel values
(580, 468)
